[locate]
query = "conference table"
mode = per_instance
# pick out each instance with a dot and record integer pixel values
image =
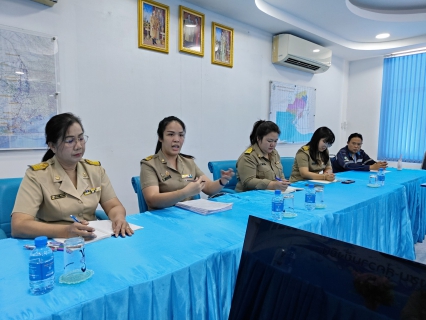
(183, 265)
(411, 179)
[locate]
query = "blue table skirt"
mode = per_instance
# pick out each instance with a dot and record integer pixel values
(411, 179)
(184, 266)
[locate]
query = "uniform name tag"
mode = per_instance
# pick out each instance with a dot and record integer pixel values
(58, 196)
(90, 191)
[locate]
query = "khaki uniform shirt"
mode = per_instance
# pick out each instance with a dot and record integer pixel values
(48, 194)
(255, 172)
(156, 172)
(304, 160)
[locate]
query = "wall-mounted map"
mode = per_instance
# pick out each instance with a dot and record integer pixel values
(28, 87)
(292, 108)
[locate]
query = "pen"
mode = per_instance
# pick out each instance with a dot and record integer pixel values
(278, 179)
(74, 218)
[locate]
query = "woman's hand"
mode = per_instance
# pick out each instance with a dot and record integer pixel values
(226, 176)
(279, 185)
(195, 187)
(81, 230)
(121, 227)
(329, 176)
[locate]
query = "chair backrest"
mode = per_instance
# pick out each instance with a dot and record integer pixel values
(136, 183)
(287, 163)
(8, 190)
(216, 166)
(424, 162)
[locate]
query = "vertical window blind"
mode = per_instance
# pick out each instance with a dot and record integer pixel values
(403, 109)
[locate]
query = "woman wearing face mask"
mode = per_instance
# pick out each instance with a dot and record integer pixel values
(259, 167)
(313, 158)
(170, 176)
(65, 184)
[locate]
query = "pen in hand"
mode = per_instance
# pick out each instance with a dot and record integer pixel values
(75, 219)
(278, 179)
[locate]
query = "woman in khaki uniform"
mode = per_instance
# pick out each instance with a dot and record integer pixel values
(313, 158)
(259, 167)
(65, 184)
(169, 176)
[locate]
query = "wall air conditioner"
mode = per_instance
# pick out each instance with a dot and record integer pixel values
(49, 3)
(297, 53)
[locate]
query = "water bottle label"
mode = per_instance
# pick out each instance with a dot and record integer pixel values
(381, 178)
(310, 198)
(41, 271)
(277, 206)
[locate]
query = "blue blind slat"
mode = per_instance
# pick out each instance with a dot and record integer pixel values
(403, 109)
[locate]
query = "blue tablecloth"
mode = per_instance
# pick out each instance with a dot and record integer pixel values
(411, 179)
(183, 265)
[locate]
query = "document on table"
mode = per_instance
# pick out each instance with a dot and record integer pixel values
(289, 189)
(323, 181)
(204, 207)
(103, 229)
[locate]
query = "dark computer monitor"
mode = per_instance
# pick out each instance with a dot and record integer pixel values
(287, 273)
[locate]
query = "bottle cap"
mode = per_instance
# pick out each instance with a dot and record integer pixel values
(277, 192)
(311, 185)
(381, 169)
(40, 241)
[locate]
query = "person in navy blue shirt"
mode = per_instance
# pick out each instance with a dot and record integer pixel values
(352, 157)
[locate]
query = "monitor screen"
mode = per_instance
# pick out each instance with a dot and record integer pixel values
(287, 273)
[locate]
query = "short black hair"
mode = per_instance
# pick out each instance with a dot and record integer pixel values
(355, 135)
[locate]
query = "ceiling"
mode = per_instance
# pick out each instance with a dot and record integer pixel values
(347, 27)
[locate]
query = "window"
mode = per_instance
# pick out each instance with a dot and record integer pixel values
(403, 110)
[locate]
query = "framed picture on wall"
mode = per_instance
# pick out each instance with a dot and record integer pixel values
(222, 45)
(191, 31)
(153, 26)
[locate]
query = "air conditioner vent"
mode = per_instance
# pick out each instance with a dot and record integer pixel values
(300, 54)
(302, 64)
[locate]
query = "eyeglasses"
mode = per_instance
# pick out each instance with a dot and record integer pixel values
(71, 141)
(328, 145)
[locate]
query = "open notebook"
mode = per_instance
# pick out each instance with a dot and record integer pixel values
(204, 207)
(103, 229)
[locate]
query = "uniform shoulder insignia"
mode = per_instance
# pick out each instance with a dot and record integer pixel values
(306, 148)
(249, 150)
(149, 158)
(92, 162)
(39, 166)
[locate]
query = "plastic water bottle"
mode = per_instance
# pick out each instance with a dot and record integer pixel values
(42, 267)
(381, 177)
(399, 164)
(310, 197)
(277, 205)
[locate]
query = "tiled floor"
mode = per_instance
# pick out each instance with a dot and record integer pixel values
(420, 249)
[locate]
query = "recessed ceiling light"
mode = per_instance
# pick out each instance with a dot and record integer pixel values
(19, 72)
(317, 50)
(383, 36)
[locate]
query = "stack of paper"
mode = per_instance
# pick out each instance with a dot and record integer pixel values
(204, 207)
(103, 229)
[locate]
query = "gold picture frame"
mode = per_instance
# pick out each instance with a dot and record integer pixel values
(222, 45)
(191, 31)
(153, 26)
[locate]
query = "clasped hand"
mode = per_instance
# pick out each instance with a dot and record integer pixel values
(226, 175)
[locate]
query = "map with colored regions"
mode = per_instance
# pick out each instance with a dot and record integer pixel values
(28, 88)
(292, 108)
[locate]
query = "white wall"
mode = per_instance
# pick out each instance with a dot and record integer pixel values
(121, 92)
(364, 100)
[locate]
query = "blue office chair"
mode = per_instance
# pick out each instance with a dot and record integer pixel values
(8, 190)
(216, 166)
(101, 215)
(136, 183)
(287, 163)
